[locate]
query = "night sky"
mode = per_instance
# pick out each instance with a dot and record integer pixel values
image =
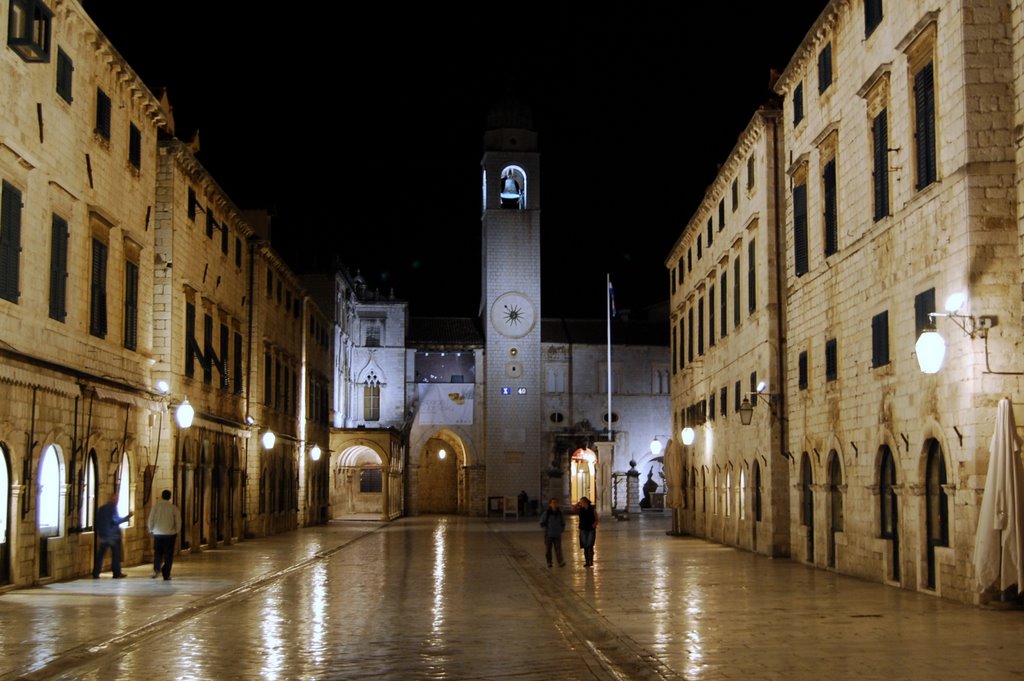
(362, 129)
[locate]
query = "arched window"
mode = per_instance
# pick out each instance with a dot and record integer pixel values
(807, 502)
(728, 493)
(835, 496)
(938, 510)
(714, 499)
(5, 504)
(889, 515)
(50, 493)
(371, 398)
(757, 491)
(742, 498)
(124, 489)
(87, 503)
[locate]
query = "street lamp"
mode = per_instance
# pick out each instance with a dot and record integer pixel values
(656, 447)
(930, 347)
(688, 435)
(314, 452)
(268, 439)
(184, 414)
(750, 399)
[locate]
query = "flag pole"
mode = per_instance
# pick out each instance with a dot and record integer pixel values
(609, 304)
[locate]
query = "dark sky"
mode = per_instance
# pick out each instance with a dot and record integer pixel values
(362, 128)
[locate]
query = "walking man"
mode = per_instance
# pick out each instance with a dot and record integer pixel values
(554, 524)
(164, 522)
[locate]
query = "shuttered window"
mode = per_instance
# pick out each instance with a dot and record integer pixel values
(102, 114)
(711, 232)
(131, 305)
(209, 356)
(825, 67)
(711, 316)
(737, 397)
(802, 370)
(58, 268)
(872, 16)
(225, 377)
(134, 146)
(10, 241)
(191, 204)
(828, 181)
(800, 229)
(689, 335)
(751, 277)
(192, 350)
(924, 119)
(65, 70)
(682, 343)
(237, 375)
(831, 360)
(268, 379)
(700, 326)
(724, 401)
(721, 213)
(880, 170)
(98, 290)
(735, 292)
(725, 307)
(798, 104)
(880, 339)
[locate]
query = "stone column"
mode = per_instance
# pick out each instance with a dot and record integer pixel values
(603, 483)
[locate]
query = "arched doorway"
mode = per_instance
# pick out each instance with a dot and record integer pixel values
(835, 500)
(49, 503)
(583, 466)
(937, 510)
(438, 479)
(807, 503)
(756, 489)
(5, 508)
(359, 483)
(889, 515)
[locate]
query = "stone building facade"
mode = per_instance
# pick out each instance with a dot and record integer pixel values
(899, 192)
(368, 408)
(732, 481)
(78, 163)
(201, 338)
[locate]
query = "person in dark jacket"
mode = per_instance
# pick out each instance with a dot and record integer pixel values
(588, 529)
(554, 524)
(108, 536)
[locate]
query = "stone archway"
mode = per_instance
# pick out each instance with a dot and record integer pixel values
(359, 478)
(438, 478)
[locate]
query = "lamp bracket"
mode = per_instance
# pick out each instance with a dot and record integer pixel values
(970, 325)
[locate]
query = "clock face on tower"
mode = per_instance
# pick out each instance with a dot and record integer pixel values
(512, 315)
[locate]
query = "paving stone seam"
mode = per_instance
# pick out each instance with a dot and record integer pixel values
(619, 657)
(94, 652)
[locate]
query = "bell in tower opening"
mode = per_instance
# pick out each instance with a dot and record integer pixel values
(511, 191)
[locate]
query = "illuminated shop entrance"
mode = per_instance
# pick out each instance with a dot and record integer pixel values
(583, 465)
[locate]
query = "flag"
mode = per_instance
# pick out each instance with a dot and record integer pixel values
(611, 296)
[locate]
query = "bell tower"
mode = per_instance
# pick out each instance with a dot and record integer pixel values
(510, 301)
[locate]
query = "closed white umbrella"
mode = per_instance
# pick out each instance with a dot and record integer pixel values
(1000, 536)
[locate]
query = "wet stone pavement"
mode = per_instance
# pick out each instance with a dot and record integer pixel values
(443, 597)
